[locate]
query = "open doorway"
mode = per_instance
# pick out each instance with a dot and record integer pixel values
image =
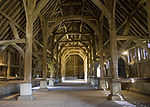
(121, 68)
(74, 68)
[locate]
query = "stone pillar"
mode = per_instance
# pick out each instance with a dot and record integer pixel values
(9, 64)
(115, 86)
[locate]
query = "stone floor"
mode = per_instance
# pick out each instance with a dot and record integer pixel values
(73, 95)
(137, 99)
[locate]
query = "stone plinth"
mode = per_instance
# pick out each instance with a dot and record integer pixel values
(43, 85)
(25, 92)
(115, 92)
(51, 82)
(102, 84)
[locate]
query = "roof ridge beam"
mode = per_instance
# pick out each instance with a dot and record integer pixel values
(75, 17)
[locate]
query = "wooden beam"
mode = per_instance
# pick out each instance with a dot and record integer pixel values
(41, 4)
(71, 3)
(73, 41)
(148, 18)
(124, 46)
(106, 50)
(106, 42)
(73, 17)
(75, 32)
(41, 45)
(17, 39)
(6, 42)
(14, 30)
(127, 37)
(19, 49)
(127, 27)
(11, 20)
(101, 7)
(63, 18)
(131, 14)
(42, 21)
(139, 43)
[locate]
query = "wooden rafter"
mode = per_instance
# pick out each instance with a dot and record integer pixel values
(11, 20)
(38, 8)
(148, 18)
(127, 20)
(5, 42)
(71, 17)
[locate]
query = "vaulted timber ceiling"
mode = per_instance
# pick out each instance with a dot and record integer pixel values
(131, 20)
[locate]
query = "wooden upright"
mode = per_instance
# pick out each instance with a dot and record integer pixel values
(26, 87)
(148, 18)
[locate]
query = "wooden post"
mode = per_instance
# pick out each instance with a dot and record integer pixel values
(137, 62)
(20, 66)
(60, 66)
(148, 18)
(115, 85)
(91, 72)
(51, 46)
(101, 49)
(29, 7)
(57, 61)
(113, 45)
(102, 84)
(26, 87)
(88, 65)
(8, 64)
(94, 56)
(45, 52)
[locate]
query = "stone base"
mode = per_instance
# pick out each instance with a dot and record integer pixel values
(116, 97)
(57, 80)
(25, 98)
(25, 91)
(102, 85)
(89, 80)
(43, 89)
(43, 84)
(116, 92)
(51, 82)
(95, 83)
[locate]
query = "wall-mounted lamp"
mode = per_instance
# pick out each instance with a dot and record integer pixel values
(125, 53)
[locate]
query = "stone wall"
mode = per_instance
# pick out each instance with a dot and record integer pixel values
(10, 88)
(6, 89)
(141, 87)
(145, 68)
